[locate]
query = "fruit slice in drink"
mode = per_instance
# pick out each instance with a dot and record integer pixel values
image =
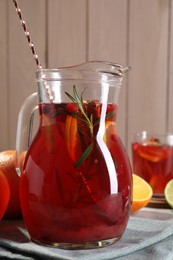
(152, 153)
(110, 132)
(71, 136)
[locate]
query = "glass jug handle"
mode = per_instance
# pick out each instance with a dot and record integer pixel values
(24, 129)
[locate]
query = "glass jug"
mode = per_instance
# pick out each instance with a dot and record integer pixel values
(76, 178)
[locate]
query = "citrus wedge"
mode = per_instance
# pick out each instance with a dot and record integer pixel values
(169, 193)
(110, 130)
(154, 155)
(142, 193)
(71, 136)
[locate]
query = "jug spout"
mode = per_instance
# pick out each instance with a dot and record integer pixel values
(93, 76)
(111, 68)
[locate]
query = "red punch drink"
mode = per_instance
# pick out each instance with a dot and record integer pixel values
(153, 161)
(70, 199)
(76, 180)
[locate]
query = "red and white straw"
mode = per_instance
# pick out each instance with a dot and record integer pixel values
(32, 47)
(27, 34)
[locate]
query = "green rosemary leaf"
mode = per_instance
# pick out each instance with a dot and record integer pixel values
(81, 96)
(71, 97)
(80, 118)
(107, 116)
(110, 114)
(77, 98)
(96, 122)
(84, 156)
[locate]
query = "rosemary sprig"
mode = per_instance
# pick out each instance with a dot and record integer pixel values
(83, 117)
(84, 156)
(79, 102)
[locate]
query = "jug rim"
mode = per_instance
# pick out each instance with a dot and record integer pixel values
(106, 67)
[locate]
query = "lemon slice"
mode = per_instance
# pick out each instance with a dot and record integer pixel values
(169, 193)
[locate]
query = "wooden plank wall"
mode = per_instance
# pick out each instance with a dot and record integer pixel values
(65, 32)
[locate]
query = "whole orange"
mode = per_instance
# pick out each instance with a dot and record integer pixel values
(4, 194)
(7, 167)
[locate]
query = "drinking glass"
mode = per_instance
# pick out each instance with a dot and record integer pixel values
(152, 159)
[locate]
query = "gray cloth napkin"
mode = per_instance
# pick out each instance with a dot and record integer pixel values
(143, 239)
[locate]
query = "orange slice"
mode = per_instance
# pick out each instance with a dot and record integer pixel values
(142, 193)
(154, 154)
(110, 130)
(71, 136)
